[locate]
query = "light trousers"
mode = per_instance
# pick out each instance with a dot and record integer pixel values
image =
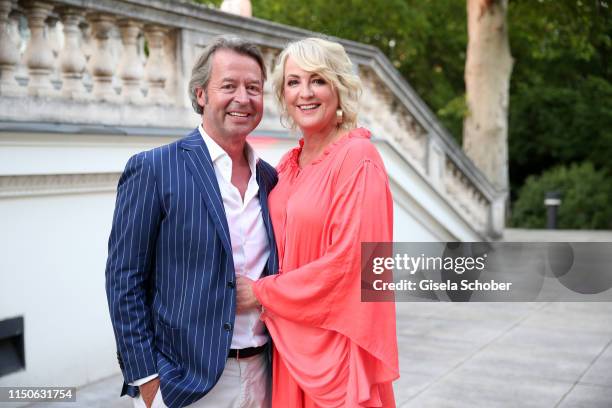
(245, 383)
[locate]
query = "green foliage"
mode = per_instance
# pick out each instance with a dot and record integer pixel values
(552, 124)
(560, 91)
(215, 3)
(424, 39)
(586, 196)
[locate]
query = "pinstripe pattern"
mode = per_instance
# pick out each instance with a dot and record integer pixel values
(168, 269)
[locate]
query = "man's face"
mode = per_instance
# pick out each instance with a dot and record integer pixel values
(233, 99)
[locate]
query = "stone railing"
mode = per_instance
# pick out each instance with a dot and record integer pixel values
(68, 52)
(125, 64)
(59, 52)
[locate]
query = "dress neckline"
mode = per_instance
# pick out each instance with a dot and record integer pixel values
(294, 154)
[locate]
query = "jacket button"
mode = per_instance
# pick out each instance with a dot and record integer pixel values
(227, 326)
(231, 284)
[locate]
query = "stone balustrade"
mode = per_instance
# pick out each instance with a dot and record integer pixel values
(82, 54)
(126, 63)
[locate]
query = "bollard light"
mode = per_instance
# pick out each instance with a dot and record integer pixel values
(552, 201)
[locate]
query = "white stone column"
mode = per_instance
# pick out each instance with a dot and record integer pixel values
(72, 59)
(102, 64)
(38, 55)
(130, 68)
(155, 67)
(9, 53)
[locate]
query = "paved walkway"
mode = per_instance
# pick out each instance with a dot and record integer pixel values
(505, 355)
(491, 355)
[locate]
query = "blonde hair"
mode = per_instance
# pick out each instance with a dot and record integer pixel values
(329, 60)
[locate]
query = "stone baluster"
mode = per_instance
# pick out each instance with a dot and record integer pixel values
(72, 59)
(54, 41)
(53, 38)
(9, 53)
(102, 61)
(87, 42)
(155, 68)
(131, 69)
(38, 55)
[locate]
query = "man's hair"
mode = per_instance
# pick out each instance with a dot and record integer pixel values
(328, 59)
(200, 74)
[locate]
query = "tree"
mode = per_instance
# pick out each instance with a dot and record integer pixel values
(561, 80)
(487, 78)
(424, 39)
(561, 86)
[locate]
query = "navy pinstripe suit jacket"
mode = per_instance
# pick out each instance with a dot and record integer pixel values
(170, 277)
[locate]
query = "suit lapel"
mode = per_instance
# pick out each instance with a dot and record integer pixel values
(200, 165)
(264, 186)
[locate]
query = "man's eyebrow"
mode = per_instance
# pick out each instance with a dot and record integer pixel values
(250, 81)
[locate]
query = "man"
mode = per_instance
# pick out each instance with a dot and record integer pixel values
(191, 216)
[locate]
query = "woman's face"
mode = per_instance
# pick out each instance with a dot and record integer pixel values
(311, 101)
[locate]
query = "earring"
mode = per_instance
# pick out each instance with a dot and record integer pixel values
(339, 116)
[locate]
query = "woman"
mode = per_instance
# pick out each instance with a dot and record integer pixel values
(330, 349)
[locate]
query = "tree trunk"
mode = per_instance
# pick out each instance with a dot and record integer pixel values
(487, 79)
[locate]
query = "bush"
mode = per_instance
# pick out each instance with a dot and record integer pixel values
(586, 198)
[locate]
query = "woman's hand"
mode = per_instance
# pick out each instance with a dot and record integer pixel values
(245, 298)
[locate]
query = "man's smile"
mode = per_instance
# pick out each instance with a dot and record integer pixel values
(239, 114)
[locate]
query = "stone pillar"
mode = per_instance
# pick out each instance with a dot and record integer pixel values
(38, 55)
(9, 53)
(130, 67)
(102, 63)
(72, 59)
(155, 67)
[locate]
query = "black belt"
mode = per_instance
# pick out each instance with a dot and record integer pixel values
(246, 352)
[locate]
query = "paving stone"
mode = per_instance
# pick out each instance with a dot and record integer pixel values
(460, 391)
(600, 373)
(431, 355)
(524, 363)
(563, 340)
(588, 396)
(577, 317)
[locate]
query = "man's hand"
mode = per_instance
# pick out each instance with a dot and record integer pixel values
(245, 298)
(148, 391)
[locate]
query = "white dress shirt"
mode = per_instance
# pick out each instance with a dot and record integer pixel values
(249, 239)
(248, 235)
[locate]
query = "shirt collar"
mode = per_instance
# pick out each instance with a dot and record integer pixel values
(216, 151)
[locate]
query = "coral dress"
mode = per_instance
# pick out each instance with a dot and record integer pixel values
(330, 349)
